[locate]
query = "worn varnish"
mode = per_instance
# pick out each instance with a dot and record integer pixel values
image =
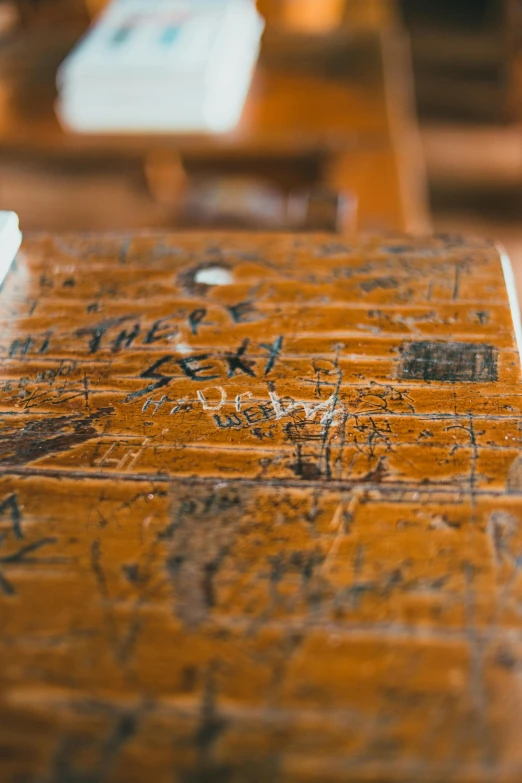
(266, 530)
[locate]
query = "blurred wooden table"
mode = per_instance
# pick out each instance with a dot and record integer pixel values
(332, 111)
(260, 511)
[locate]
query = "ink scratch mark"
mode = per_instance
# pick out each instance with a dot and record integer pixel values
(103, 589)
(340, 524)
(386, 283)
(501, 529)
(23, 556)
(43, 437)
(10, 502)
(67, 766)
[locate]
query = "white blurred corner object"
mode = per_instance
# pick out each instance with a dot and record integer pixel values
(509, 279)
(10, 241)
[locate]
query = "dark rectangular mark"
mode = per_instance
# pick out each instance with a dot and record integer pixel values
(462, 362)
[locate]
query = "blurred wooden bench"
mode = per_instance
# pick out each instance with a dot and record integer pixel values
(340, 118)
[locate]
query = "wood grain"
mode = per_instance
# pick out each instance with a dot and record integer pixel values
(267, 530)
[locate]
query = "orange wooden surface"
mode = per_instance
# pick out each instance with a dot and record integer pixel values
(267, 530)
(344, 114)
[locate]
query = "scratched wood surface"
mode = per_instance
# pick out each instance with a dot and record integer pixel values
(260, 512)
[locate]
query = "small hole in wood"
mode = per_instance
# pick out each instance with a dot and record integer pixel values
(213, 275)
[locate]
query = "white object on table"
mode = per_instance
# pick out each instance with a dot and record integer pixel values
(153, 66)
(10, 241)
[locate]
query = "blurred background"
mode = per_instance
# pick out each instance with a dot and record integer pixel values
(360, 115)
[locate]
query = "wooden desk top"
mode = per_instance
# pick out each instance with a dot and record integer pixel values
(262, 530)
(346, 105)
